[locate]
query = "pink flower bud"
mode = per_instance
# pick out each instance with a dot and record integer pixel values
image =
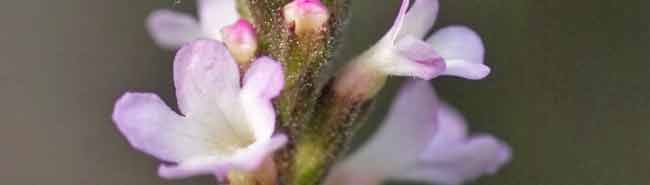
(306, 15)
(241, 41)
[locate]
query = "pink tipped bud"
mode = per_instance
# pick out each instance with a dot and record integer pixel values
(241, 41)
(306, 15)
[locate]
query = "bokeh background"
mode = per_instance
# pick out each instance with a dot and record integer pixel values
(569, 89)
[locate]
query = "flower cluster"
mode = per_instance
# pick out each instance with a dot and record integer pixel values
(227, 121)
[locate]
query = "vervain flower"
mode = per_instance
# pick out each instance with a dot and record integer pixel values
(171, 29)
(421, 140)
(222, 125)
(455, 50)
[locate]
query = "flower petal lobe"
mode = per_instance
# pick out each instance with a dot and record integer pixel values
(217, 14)
(171, 29)
(152, 127)
(263, 81)
(462, 50)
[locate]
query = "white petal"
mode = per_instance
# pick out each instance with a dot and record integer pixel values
(154, 128)
(263, 81)
(207, 90)
(392, 35)
(462, 50)
(404, 134)
(205, 75)
(420, 18)
(416, 21)
(217, 14)
(171, 29)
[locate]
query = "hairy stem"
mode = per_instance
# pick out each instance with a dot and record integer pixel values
(328, 136)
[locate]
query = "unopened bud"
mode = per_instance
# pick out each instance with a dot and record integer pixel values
(241, 41)
(306, 16)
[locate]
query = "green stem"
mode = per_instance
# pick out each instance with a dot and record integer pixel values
(327, 137)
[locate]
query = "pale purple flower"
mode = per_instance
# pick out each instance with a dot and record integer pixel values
(222, 125)
(421, 140)
(402, 51)
(171, 29)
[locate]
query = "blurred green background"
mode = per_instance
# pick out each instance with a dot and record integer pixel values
(568, 90)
